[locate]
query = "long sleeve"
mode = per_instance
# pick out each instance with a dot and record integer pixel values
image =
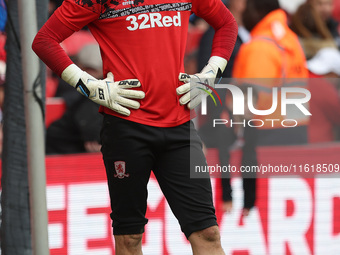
(220, 18)
(47, 44)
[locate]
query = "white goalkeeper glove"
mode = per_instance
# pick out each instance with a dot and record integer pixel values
(196, 85)
(116, 96)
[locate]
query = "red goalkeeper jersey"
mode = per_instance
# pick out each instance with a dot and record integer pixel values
(146, 39)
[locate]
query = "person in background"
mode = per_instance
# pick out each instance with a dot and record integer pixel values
(77, 131)
(324, 70)
(2, 94)
(53, 5)
(273, 52)
(325, 9)
(2, 81)
(312, 29)
(222, 137)
(3, 15)
(242, 138)
(336, 11)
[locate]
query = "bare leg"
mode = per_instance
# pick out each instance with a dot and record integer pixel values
(245, 211)
(128, 244)
(206, 241)
(227, 206)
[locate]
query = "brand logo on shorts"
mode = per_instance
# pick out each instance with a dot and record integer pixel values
(120, 170)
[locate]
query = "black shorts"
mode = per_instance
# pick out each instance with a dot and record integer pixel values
(131, 150)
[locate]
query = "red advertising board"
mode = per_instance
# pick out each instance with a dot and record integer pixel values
(295, 215)
(298, 214)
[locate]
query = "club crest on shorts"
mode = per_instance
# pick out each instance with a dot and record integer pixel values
(120, 170)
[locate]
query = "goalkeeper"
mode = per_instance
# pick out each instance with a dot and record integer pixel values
(146, 104)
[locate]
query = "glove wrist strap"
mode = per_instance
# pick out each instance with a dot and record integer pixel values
(72, 75)
(218, 62)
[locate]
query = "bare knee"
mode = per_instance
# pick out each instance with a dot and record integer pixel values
(128, 242)
(206, 241)
(132, 240)
(211, 234)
